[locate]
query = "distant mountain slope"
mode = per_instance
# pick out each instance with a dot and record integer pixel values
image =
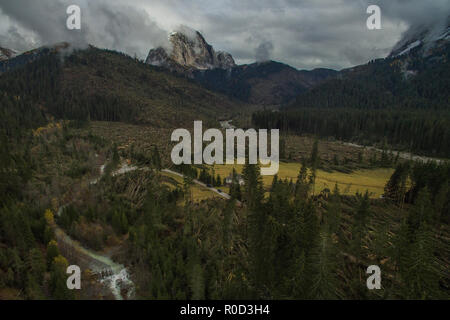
(18, 60)
(415, 75)
(265, 83)
(402, 100)
(6, 54)
(109, 86)
(425, 38)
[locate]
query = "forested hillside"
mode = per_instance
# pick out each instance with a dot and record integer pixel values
(403, 101)
(411, 130)
(286, 240)
(264, 83)
(104, 85)
(47, 101)
(409, 81)
(312, 246)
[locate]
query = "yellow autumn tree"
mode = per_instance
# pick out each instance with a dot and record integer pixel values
(60, 262)
(52, 252)
(58, 285)
(49, 217)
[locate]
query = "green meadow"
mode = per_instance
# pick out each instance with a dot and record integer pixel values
(372, 180)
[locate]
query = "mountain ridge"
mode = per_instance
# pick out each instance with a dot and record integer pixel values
(6, 53)
(190, 52)
(276, 84)
(414, 75)
(267, 83)
(105, 85)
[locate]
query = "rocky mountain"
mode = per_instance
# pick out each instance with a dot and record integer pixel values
(6, 54)
(267, 83)
(189, 52)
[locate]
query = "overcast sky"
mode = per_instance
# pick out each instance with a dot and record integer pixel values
(303, 33)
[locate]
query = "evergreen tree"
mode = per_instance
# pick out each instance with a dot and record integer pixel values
(187, 188)
(52, 252)
(302, 186)
(58, 280)
(395, 188)
(324, 283)
(227, 224)
(334, 211)
(314, 160)
(156, 158)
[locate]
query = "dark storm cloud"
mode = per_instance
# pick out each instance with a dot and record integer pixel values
(12, 38)
(46, 20)
(303, 33)
(109, 24)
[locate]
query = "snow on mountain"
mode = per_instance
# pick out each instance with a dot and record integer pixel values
(423, 38)
(410, 47)
(6, 54)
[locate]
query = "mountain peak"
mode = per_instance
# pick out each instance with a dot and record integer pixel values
(190, 50)
(424, 38)
(6, 54)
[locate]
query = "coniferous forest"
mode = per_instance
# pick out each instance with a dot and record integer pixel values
(86, 179)
(411, 114)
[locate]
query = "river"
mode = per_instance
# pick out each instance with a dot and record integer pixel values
(113, 275)
(116, 276)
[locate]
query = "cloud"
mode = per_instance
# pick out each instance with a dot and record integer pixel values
(303, 33)
(108, 24)
(264, 51)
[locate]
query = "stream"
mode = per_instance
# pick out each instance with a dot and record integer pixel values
(113, 275)
(402, 155)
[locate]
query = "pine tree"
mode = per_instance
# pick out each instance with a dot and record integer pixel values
(197, 283)
(52, 252)
(323, 282)
(58, 281)
(36, 265)
(227, 224)
(259, 228)
(420, 277)
(235, 188)
(156, 158)
(395, 188)
(441, 200)
(314, 160)
(422, 212)
(334, 211)
(302, 186)
(218, 181)
(253, 188)
(359, 224)
(282, 149)
(187, 188)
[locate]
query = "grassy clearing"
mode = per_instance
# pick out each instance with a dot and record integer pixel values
(372, 180)
(199, 193)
